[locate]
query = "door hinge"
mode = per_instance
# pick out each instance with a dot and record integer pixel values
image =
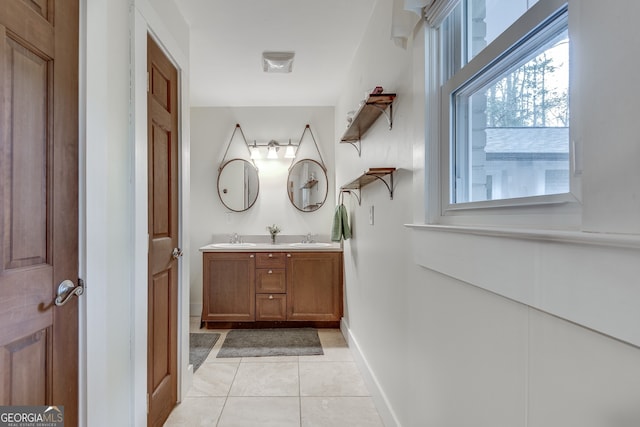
(148, 83)
(148, 403)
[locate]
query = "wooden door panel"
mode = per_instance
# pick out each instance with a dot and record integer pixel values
(161, 161)
(31, 25)
(41, 7)
(27, 361)
(160, 326)
(25, 194)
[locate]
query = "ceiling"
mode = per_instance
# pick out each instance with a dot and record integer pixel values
(229, 36)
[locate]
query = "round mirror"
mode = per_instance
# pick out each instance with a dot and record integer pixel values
(307, 185)
(238, 185)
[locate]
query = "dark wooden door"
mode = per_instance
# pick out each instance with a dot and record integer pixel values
(163, 169)
(38, 203)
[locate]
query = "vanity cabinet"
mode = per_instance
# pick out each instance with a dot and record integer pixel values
(287, 287)
(314, 286)
(229, 287)
(271, 287)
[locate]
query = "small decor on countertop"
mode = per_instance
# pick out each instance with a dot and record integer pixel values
(273, 230)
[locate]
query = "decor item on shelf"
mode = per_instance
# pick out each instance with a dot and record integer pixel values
(273, 230)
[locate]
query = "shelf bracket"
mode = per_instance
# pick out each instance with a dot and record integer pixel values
(388, 184)
(356, 145)
(353, 193)
(388, 116)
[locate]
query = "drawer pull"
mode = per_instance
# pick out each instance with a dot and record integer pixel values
(270, 255)
(270, 271)
(270, 296)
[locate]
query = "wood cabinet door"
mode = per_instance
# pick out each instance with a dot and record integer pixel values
(271, 281)
(38, 203)
(314, 286)
(271, 307)
(228, 287)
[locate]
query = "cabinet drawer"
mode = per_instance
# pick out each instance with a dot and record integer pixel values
(271, 280)
(271, 307)
(270, 260)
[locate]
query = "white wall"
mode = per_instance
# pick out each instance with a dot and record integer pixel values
(441, 343)
(114, 73)
(211, 130)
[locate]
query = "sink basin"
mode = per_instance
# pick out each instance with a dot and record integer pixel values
(233, 245)
(311, 245)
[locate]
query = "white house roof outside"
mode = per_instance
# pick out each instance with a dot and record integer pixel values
(527, 140)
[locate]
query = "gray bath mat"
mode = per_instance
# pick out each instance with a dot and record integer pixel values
(200, 346)
(271, 342)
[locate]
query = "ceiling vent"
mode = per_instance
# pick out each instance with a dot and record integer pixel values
(277, 62)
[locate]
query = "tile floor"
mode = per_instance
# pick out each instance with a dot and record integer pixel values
(300, 391)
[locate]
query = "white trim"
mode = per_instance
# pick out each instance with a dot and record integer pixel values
(82, 211)
(93, 246)
(435, 14)
(385, 410)
(589, 279)
(140, 218)
(566, 206)
(628, 241)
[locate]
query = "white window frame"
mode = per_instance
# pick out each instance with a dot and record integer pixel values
(530, 211)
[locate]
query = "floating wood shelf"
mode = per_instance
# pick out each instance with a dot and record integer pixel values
(369, 176)
(310, 183)
(373, 107)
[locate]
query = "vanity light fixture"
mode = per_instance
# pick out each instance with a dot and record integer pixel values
(291, 151)
(277, 62)
(272, 152)
(255, 151)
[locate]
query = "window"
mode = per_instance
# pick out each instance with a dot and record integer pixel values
(505, 103)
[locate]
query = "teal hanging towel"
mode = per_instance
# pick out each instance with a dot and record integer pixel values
(340, 229)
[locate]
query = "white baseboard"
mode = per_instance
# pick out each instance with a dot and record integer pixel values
(387, 414)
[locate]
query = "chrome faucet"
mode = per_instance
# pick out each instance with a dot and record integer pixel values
(235, 238)
(308, 238)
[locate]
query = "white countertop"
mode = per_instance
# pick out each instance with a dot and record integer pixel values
(269, 247)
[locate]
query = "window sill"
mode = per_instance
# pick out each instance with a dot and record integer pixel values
(630, 241)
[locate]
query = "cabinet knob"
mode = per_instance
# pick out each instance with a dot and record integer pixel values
(270, 271)
(270, 255)
(288, 255)
(251, 256)
(270, 296)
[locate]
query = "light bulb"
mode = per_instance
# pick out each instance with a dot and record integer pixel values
(255, 152)
(272, 153)
(290, 153)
